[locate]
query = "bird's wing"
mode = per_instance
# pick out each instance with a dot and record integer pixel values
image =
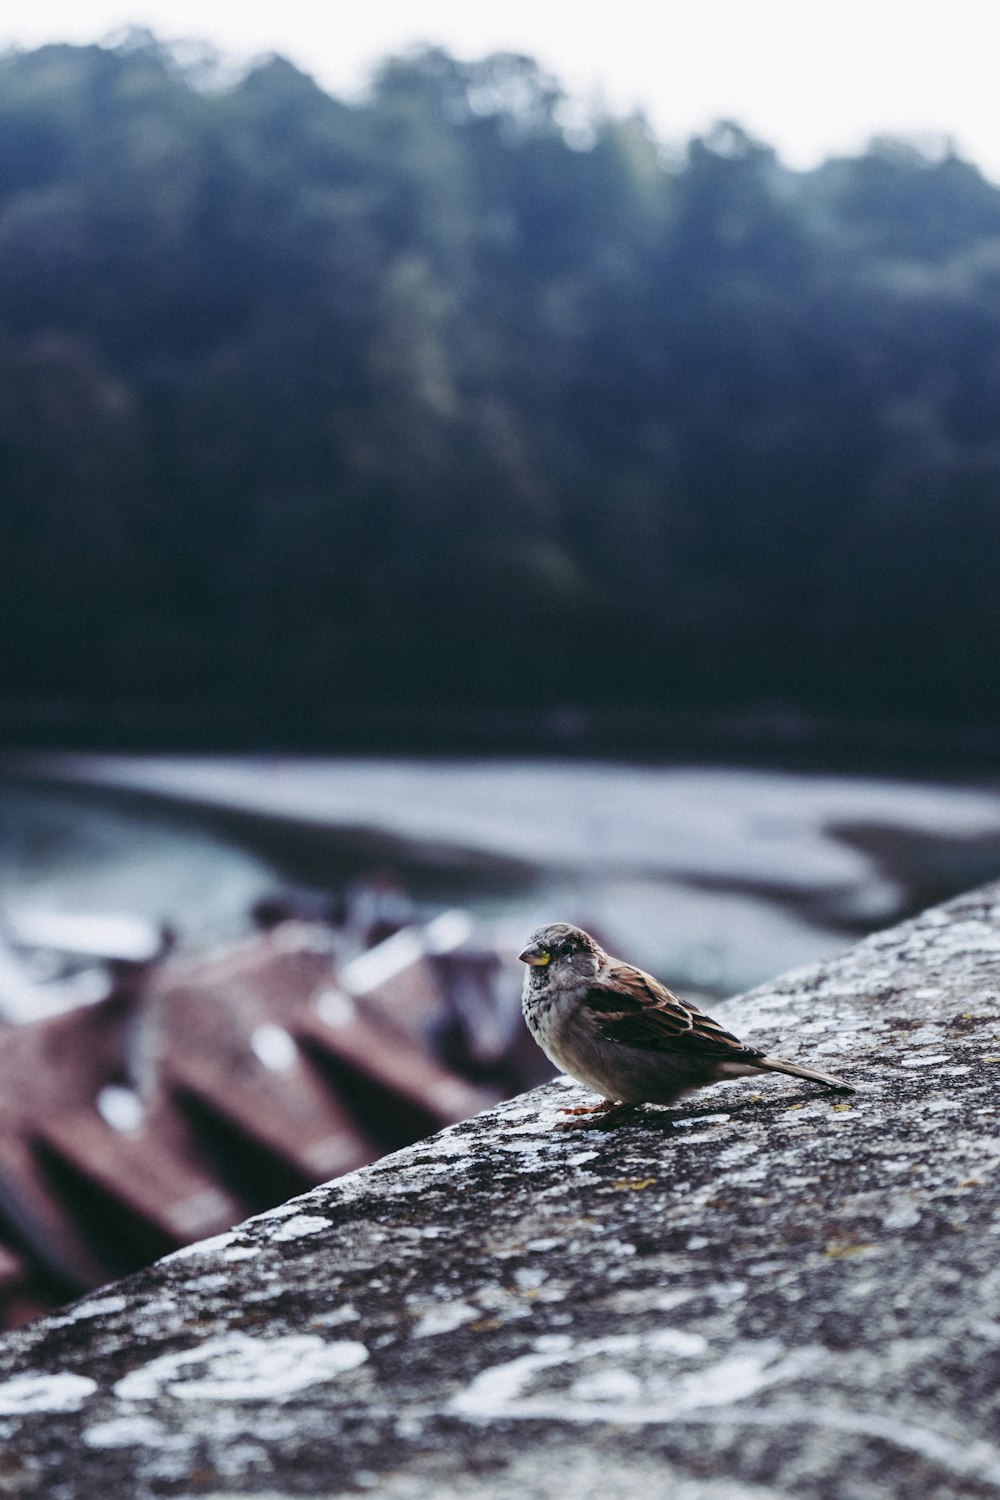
(638, 1010)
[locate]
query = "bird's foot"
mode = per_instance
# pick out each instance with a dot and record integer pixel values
(607, 1115)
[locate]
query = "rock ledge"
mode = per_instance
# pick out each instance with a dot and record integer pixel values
(766, 1291)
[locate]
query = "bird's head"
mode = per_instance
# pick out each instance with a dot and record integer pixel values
(561, 949)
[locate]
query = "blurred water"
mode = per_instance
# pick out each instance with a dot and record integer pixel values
(75, 851)
(714, 878)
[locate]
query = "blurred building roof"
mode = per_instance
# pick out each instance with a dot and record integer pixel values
(209, 1089)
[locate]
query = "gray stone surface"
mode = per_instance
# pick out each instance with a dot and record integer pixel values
(766, 1291)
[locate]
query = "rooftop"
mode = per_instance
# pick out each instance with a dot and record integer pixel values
(201, 1090)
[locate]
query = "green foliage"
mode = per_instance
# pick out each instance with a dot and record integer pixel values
(441, 398)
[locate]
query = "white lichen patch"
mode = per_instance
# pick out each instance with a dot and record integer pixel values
(299, 1226)
(346, 1314)
(453, 1145)
(696, 1137)
(529, 1278)
(646, 1365)
(902, 1216)
(643, 1300)
(44, 1393)
(236, 1367)
(649, 1364)
(607, 1385)
(133, 1431)
(444, 1317)
(92, 1308)
(974, 1459)
(680, 1124)
(212, 1281)
(737, 1152)
(201, 1247)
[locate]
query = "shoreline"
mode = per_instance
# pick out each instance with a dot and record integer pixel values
(785, 739)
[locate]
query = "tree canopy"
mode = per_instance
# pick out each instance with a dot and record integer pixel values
(442, 398)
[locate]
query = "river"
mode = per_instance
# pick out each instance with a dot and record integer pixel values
(716, 878)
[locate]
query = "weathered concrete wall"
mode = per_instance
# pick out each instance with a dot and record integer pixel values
(782, 1293)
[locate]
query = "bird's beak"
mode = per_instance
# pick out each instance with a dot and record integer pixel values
(536, 956)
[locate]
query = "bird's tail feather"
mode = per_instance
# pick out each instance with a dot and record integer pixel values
(795, 1070)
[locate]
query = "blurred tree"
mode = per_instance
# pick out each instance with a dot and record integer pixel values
(460, 395)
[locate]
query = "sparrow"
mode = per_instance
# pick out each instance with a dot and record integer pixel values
(623, 1034)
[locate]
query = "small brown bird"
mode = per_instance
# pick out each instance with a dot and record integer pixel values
(625, 1035)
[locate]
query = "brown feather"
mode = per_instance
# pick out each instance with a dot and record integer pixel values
(639, 1011)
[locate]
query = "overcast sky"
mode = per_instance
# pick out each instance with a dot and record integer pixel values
(812, 77)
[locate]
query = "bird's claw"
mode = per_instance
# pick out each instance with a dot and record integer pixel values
(605, 1116)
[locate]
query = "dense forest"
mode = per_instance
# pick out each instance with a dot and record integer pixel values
(444, 398)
